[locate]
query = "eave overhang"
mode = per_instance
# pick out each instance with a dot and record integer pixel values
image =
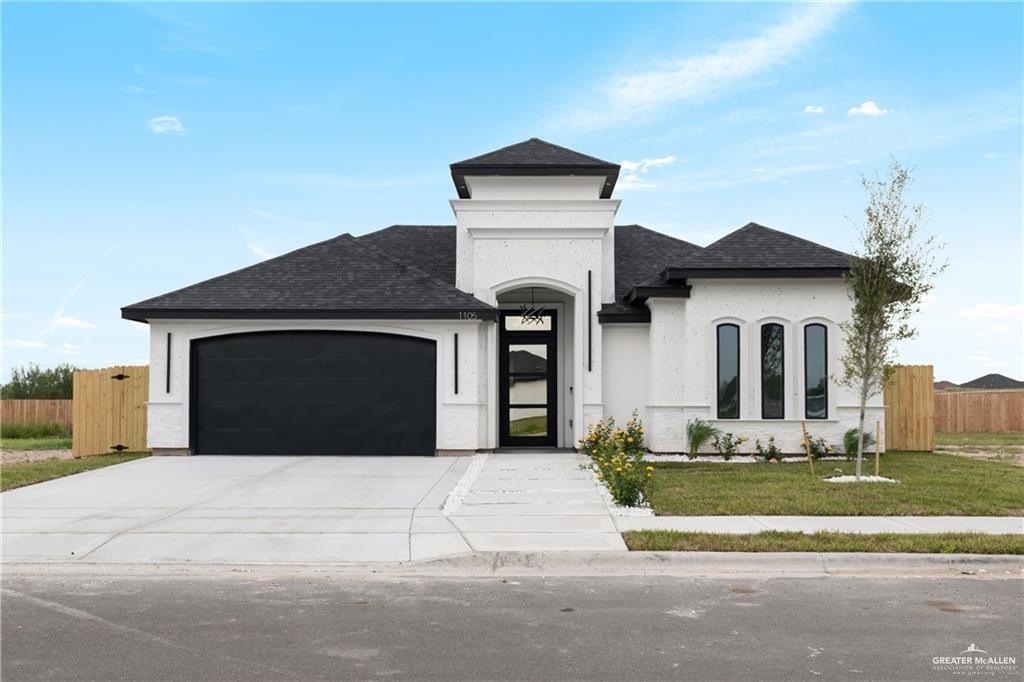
(609, 172)
(147, 314)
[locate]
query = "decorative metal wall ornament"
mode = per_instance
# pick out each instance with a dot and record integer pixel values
(531, 314)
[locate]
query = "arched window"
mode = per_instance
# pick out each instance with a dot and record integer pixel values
(772, 381)
(816, 371)
(728, 371)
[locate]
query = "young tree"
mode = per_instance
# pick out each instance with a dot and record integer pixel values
(891, 270)
(43, 384)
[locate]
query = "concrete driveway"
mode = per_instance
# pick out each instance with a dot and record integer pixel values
(238, 510)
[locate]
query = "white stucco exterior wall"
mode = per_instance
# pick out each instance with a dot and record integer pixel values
(683, 370)
(626, 370)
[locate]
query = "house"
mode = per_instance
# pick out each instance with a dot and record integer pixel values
(532, 316)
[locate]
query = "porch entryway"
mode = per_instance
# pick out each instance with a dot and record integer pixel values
(535, 369)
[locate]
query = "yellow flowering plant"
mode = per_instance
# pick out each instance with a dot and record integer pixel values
(617, 458)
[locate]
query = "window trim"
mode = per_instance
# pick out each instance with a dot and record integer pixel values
(824, 329)
(782, 369)
(718, 371)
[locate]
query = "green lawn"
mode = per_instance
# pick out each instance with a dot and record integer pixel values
(776, 541)
(984, 439)
(930, 485)
(26, 473)
(53, 443)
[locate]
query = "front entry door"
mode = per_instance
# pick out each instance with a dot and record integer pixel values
(528, 379)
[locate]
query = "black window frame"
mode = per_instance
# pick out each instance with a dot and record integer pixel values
(782, 371)
(807, 397)
(718, 371)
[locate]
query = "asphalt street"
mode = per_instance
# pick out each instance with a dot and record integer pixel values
(249, 626)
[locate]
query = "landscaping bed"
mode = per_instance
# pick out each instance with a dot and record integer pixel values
(930, 484)
(778, 541)
(27, 473)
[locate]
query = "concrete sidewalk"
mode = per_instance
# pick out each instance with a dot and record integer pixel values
(739, 525)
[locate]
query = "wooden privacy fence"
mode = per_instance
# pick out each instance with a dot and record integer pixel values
(110, 410)
(991, 411)
(910, 409)
(35, 412)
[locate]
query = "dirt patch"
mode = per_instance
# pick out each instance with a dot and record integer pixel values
(1011, 454)
(21, 456)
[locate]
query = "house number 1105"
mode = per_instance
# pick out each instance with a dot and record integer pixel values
(468, 316)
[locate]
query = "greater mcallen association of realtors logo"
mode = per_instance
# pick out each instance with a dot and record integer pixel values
(975, 661)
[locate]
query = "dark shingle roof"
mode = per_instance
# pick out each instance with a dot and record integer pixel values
(534, 157)
(337, 278)
(533, 152)
(756, 247)
(993, 381)
(641, 254)
(430, 247)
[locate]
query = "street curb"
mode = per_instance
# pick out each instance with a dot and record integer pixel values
(585, 564)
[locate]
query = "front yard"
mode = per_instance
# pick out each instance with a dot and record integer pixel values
(931, 484)
(44, 443)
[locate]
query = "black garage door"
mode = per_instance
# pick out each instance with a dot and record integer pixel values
(313, 393)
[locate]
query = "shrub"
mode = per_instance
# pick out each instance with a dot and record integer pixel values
(617, 459)
(768, 452)
(32, 382)
(850, 442)
(698, 432)
(819, 447)
(48, 430)
(728, 445)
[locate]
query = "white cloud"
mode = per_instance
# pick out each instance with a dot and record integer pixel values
(992, 155)
(260, 251)
(162, 125)
(24, 343)
(869, 108)
(993, 310)
(628, 96)
(814, 109)
(66, 348)
(71, 323)
(137, 90)
(634, 171)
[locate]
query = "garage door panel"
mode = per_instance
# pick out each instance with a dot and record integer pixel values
(386, 370)
(228, 415)
(317, 392)
(314, 392)
(306, 344)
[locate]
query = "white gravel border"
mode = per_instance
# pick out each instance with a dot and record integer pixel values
(863, 479)
(737, 459)
(465, 484)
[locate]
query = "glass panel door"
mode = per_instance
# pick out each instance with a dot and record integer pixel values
(528, 380)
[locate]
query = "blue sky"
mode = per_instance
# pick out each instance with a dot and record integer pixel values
(147, 147)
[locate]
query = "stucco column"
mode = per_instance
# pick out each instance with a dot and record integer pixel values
(666, 364)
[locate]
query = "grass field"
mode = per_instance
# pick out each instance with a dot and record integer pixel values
(930, 485)
(52, 443)
(777, 541)
(27, 473)
(982, 439)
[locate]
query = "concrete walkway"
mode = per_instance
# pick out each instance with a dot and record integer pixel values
(995, 525)
(521, 501)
